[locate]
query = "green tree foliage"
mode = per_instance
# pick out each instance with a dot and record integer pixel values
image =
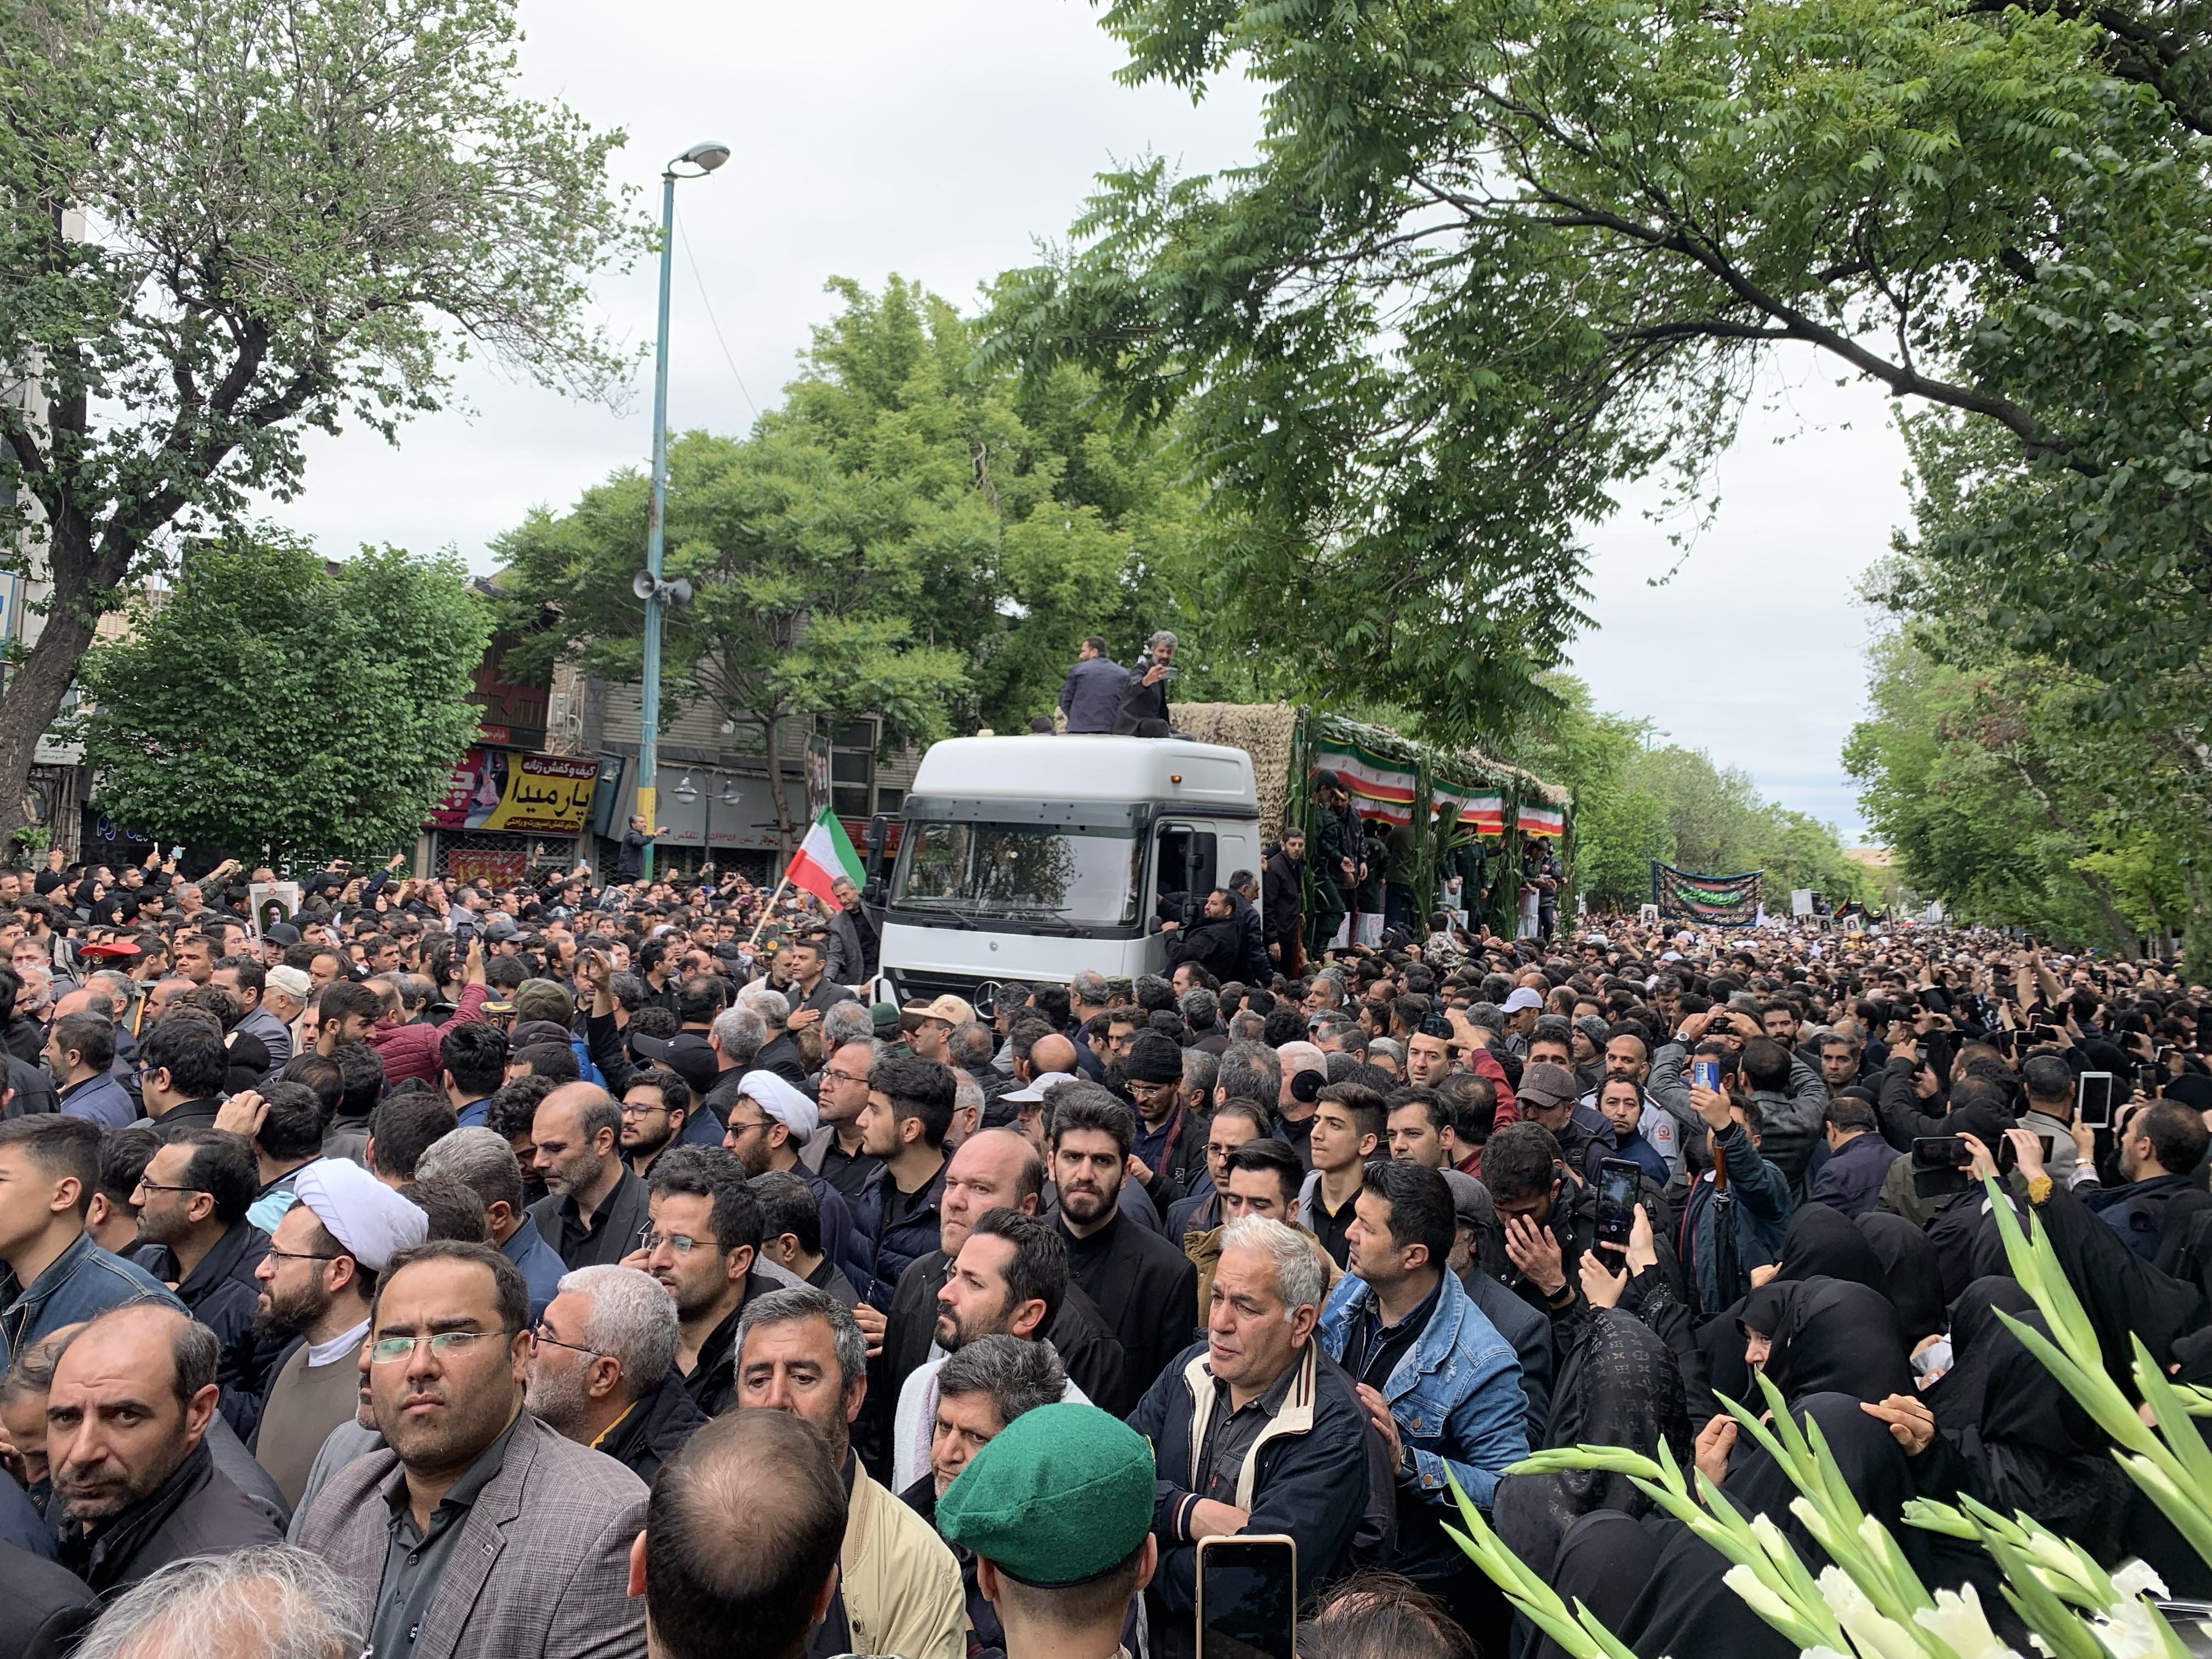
(1497, 257)
(901, 538)
(270, 699)
(1635, 801)
(225, 221)
(2003, 792)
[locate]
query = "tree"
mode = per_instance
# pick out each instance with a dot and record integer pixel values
(901, 538)
(226, 221)
(271, 700)
(1497, 257)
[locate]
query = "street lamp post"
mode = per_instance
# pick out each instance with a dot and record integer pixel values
(703, 158)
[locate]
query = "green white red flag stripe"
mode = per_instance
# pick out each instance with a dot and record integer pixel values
(825, 856)
(1540, 820)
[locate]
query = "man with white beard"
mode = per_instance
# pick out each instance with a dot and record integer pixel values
(603, 1368)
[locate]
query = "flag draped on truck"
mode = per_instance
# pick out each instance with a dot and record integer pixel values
(1380, 788)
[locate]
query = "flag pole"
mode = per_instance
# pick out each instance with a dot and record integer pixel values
(769, 910)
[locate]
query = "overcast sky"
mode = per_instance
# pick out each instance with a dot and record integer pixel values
(940, 140)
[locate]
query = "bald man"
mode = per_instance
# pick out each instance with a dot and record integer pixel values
(126, 1439)
(994, 1168)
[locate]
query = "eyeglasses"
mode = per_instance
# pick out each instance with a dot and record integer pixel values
(163, 1187)
(276, 1255)
(631, 1109)
(682, 1244)
(841, 1077)
(444, 1345)
(539, 1333)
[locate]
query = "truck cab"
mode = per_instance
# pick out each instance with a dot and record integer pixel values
(1032, 858)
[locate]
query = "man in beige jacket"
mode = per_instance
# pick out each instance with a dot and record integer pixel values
(898, 1586)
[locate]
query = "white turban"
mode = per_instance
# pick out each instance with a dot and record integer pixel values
(781, 1102)
(363, 1213)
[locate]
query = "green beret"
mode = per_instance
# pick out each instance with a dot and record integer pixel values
(1062, 1494)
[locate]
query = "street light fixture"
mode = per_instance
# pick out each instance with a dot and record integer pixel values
(701, 159)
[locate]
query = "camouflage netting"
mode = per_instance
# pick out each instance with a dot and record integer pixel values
(1263, 731)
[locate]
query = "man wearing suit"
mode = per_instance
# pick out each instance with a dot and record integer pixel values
(478, 1529)
(594, 1208)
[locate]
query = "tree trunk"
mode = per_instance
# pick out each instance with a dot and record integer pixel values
(33, 698)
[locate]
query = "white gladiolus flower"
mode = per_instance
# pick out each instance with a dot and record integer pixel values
(1875, 1635)
(1761, 1600)
(1958, 1621)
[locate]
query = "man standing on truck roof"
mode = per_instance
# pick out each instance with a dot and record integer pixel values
(1090, 696)
(1339, 861)
(1145, 687)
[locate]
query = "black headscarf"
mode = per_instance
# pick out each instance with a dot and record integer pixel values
(2017, 1439)
(1823, 1243)
(1829, 1336)
(1914, 1277)
(2123, 1295)
(1619, 1385)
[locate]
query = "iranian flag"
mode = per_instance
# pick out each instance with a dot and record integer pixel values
(826, 855)
(1540, 820)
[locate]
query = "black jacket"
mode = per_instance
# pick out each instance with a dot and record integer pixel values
(221, 1293)
(1091, 696)
(196, 1512)
(655, 1428)
(1309, 1478)
(1218, 946)
(1282, 894)
(1145, 1289)
(712, 1384)
(1140, 701)
(854, 942)
(890, 1246)
(44, 1606)
(1252, 935)
(626, 1216)
(631, 864)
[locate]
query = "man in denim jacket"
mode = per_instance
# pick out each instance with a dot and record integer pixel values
(1440, 1384)
(56, 1275)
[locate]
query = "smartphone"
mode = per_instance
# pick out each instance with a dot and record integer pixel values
(2093, 1099)
(1941, 1153)
(2044, 1033)
(1617, 1180)
(2007, 1041)
(2149, 1078)
(1247, 1596)
(1705, 1074)
(176, 852)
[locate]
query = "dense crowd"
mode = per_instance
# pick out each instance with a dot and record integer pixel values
(574, 1268)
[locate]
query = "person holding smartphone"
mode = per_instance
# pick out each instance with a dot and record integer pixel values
(1145, 694)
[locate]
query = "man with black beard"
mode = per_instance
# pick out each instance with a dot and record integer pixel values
(656, 1104)
(1144, 1287)
(316, 1283)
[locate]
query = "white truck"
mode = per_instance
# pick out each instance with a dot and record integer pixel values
(1030, 858)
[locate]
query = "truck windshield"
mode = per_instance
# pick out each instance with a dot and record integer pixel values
(1018, 870)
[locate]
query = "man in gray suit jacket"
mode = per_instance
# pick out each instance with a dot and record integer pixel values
(477, 1530)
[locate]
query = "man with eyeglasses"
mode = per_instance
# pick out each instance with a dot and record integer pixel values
(317, 1281)
(702, 1244)
(479, 1528)
(656, 1105)
(834, 1151)
(603, 1369)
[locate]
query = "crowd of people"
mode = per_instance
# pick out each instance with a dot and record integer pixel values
(560, 1269)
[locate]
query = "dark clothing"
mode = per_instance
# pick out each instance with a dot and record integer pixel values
(1215, 945)
(1851, 1179)
(414, 1561)
(893, 1229)
(1306, 1474)
(847, 1172)
(1530, 1333)
(712, 1383)
(1828, 1336)
(221, 1294)
(196, 1512)
(44, 1606)
(828, 1276)
(82, 1281)
(1331, 1227)
(781, 1055)
(854, 943)
(654, 1429)
(1145, 1289)
(1251, 932)
(2147, 1212)
(1091, 696)
(612, 1234)
(630, 866)
(1232, 1431)
(102, 1099)
(1175, 1154)
(187, 1116)
(1140, 701)
(1282, 892)
(34, 1092)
